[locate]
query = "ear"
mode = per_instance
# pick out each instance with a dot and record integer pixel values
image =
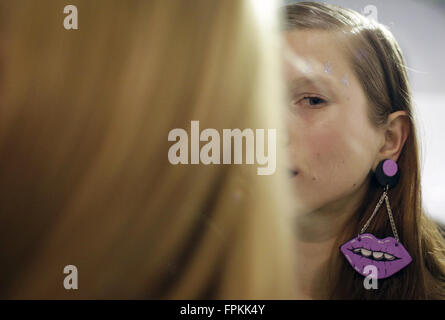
(396, 132)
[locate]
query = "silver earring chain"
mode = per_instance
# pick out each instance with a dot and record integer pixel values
(391, 219)
(384, 197)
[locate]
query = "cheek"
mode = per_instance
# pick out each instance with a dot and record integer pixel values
(338, 159)
(322, 144)
(327, 154)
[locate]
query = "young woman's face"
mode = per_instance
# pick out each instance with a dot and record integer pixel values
(333, 144)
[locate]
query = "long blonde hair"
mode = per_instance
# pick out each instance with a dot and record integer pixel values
(85, 180)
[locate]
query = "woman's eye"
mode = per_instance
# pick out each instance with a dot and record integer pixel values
(311, 102)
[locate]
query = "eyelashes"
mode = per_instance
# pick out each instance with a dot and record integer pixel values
(309, 101)
(313, 101)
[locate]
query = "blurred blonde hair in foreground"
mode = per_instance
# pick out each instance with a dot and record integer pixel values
(84, 174)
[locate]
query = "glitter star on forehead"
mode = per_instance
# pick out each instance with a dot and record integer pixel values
(345, 80)
(328, 67)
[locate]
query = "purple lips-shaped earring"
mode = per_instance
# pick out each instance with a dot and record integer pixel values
(388, 255)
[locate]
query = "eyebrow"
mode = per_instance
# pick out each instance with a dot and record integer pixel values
(317, 81)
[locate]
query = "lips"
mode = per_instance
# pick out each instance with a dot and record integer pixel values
(386, 254)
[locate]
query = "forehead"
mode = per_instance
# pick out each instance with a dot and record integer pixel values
(323, 50)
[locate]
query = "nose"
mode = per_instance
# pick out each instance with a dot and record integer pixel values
(291, 128)
(287, 135)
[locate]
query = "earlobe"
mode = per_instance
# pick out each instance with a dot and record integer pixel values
(396, 133)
